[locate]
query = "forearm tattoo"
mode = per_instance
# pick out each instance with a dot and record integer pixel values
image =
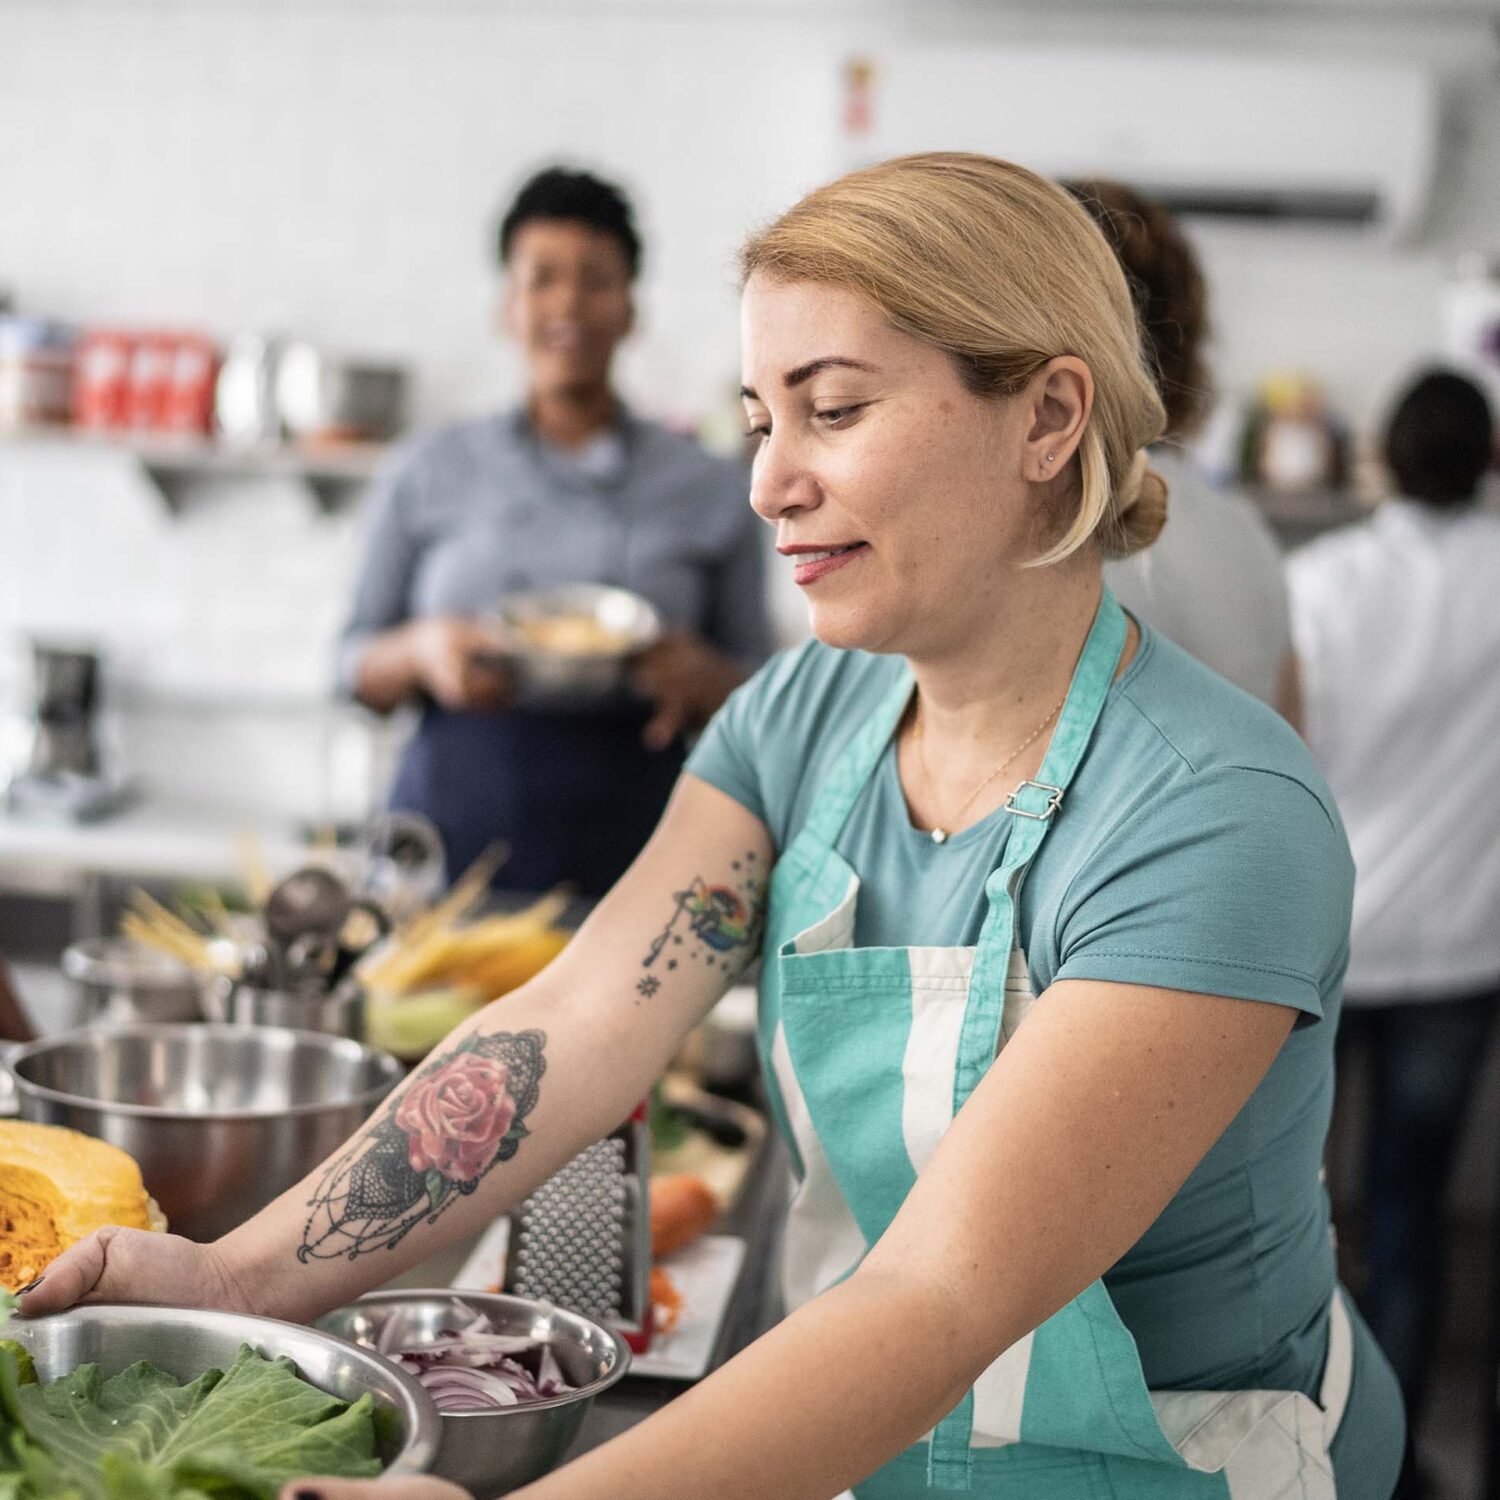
(718, 926)
(458, 1116)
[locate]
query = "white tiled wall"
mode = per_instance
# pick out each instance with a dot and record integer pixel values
(332, 168)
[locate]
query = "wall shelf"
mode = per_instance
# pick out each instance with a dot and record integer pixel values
(332, 471)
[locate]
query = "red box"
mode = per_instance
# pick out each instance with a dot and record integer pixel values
(101, 378)
(189, 402)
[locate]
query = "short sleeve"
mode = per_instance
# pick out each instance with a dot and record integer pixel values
(1235, 882)
(725, 753)
(772, 734)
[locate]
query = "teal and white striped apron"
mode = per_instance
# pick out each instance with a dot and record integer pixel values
(869, 1053)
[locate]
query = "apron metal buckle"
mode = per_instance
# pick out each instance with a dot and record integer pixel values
(1054, 801)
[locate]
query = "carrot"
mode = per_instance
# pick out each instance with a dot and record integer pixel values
(666, 1301)
(682, 1207)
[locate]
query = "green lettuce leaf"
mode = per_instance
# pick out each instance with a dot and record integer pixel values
(238, 1434)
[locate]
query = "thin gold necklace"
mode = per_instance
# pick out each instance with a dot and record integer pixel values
(940, 834)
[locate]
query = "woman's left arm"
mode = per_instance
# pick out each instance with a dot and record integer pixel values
(1086, 1125)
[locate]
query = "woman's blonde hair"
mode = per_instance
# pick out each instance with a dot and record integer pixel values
(1003, 271)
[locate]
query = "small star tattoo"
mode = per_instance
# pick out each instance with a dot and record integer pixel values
(649, 985)
(671, 963)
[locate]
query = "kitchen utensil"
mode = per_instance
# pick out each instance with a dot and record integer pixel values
(404, 863)
(238, 1002)
(221, 1118)
(492, 1453)
(118, 980)
(65, 775)
(325, 395)
(187, 1341)
(311, 899)
(624, 623)
(245, 392)
(307, 917)
(583, 1238)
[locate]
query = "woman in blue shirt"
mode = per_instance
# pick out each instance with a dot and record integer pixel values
(1053, 923)
(571, 488)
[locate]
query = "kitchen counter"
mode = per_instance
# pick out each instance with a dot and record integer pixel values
(754, 1306)
(76, 863)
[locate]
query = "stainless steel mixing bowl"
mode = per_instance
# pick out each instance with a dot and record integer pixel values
(491, 1453)
(187, 1341)
(118, 980)
(542, 674)
(222, 1119)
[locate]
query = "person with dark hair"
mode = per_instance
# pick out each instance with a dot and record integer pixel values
(571, 487)
(1213, 583)
(1398, 636)
(1440, 441)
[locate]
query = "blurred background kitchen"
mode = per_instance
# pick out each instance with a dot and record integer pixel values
(249, 246)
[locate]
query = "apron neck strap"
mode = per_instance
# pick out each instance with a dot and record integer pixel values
(1034, 802)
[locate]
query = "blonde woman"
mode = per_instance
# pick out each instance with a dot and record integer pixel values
(1053, 923)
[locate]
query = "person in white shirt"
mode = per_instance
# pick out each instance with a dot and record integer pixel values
(1397, 627)
(1213, 581)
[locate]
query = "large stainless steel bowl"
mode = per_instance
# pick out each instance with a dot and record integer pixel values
(543, 673)
(187, 1341)
(492, 1453)
(222, 1119)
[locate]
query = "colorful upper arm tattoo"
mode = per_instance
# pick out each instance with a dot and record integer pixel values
(716, 925)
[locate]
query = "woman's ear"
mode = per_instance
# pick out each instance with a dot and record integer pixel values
(1060, 397)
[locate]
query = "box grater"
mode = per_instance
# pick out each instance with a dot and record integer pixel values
(582, 1240)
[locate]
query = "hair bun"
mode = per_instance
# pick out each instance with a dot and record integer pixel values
(1141, 509)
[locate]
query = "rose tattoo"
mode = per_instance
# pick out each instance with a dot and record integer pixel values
(459, 1115)
(454, 1118)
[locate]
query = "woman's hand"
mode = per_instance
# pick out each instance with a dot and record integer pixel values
(455, 659)
(135, 1265)
(687, 679)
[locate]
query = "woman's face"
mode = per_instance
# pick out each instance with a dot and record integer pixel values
(567, 303)
(871, 447)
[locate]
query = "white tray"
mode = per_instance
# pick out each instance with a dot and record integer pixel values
(705, 1273)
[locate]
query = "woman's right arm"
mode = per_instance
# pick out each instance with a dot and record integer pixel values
(502, 1103)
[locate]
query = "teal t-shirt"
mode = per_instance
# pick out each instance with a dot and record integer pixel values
(1197, 849)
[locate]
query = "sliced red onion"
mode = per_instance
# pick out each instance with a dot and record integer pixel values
(478, 1368)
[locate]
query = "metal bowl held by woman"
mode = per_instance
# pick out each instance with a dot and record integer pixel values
(184, 1342)
(118, 980)
(493, 1452)
(576, 642)
(221, 1119)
